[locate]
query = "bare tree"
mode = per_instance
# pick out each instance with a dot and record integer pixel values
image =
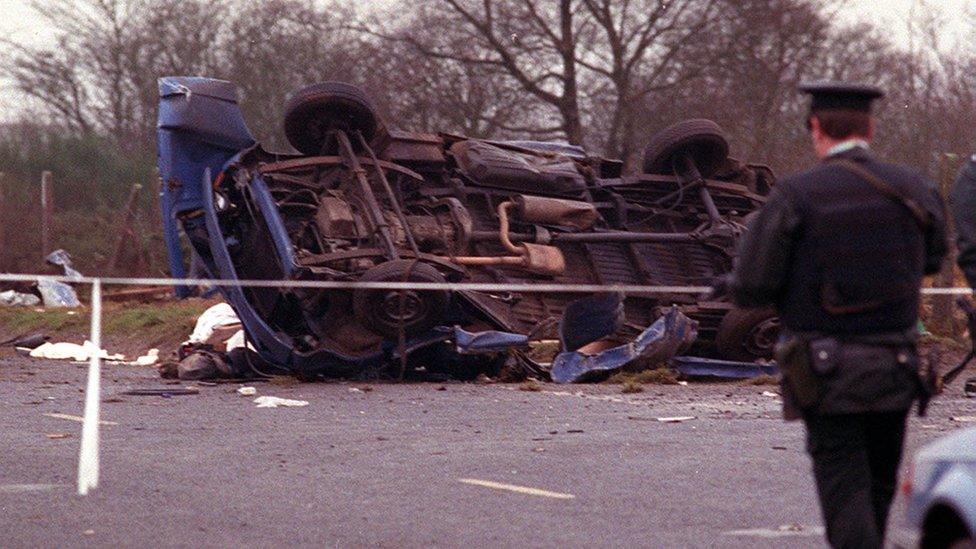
(533, 47)
(100, 75)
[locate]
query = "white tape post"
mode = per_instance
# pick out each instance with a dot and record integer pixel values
(88, 455)
(88, 458)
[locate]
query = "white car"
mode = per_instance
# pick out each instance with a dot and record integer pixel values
(942, 491)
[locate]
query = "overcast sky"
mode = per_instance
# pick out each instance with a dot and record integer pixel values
(20, 23)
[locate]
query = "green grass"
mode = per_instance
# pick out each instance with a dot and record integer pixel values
(17, 320)
(155, 321)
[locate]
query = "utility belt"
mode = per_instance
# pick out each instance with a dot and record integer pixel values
(832, 374)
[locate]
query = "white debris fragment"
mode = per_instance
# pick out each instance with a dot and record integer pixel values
(151, 357)
(964, 419)
(274, 402)
(11, 298)
(676, 419)
(72, 351)
(355, 390)
(683, 383)
(219, 316)
(247, 391)
(770, 394)
(237, 341)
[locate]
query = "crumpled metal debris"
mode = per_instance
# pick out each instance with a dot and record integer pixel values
(665, 338)
(707, 367)
(57, 294)
(490, 341)
(12, 298)
(62, 259)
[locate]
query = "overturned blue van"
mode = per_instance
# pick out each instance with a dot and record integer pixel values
(361, 201)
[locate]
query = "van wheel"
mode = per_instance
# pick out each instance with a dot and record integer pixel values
(701, 139)
(312, 112)
(747, 335)
(384, 311)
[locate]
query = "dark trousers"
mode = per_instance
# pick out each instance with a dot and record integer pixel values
(855, 463)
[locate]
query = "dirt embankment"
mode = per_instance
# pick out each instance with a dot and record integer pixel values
(127, 328)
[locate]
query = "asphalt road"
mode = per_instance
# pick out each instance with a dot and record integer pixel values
(409, 465)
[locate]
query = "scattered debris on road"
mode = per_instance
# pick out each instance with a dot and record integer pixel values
(588, 357)
(275, 402)
(150, 358)
(531, 385)
(247, 391)
(30, 341)
(79, 419)
(73, 351)
(165, 393)
(676, 419)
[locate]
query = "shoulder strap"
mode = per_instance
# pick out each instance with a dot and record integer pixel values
(919, 213)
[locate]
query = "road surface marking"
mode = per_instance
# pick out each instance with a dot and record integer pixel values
(79, 419)
(515, 488)
(781, 532)
(21, 488)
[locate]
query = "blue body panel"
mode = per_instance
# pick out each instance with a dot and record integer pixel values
(666, 337)
(199, 128)
(276, 226)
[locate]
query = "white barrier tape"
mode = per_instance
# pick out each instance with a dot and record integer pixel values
(350, 285)
(449, 286)
(88, 454)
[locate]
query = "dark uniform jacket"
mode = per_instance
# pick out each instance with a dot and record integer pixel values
(837, 257)
(963, 204)
(870, 247)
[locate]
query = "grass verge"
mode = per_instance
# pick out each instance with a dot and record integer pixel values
(130, 326)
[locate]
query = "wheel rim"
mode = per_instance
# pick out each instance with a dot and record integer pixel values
(761, 339)
(408, 308)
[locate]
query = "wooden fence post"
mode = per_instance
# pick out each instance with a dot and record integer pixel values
(127, 230)
(47, 212)
(3, 229)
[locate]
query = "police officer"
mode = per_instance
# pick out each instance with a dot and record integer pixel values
(840, 251)
(963, 203)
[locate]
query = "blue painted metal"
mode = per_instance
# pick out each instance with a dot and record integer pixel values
(276, 226)
(272, 347)
(589, 319)
(666, 337)
(490, 341)
(199, 127)
(707, 367)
